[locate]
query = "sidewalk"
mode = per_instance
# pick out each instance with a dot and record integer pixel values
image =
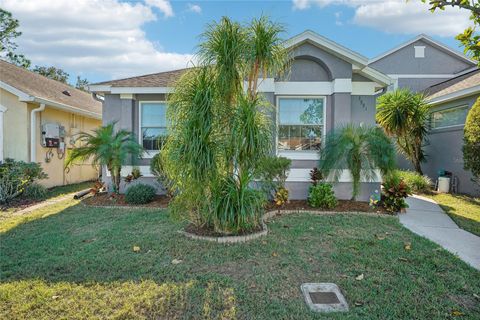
(426, 218)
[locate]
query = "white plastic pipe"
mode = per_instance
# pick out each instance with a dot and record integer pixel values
(2, 135)
(33, 131)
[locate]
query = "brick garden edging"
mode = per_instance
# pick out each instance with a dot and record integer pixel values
(264, 231)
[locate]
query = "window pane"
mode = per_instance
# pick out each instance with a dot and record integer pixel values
(300, 111)
(153, 138)
(154, 114)
(292, 137)
(449, 117)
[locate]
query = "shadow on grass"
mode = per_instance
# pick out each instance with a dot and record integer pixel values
(78, 262)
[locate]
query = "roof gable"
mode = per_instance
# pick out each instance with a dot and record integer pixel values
(28, 85)
(424, 37)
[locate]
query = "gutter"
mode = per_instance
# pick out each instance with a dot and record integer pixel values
(33, 131)
(68, 108)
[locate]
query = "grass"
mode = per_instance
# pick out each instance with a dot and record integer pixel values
(73, 262)
(463, 209)
(52, 194)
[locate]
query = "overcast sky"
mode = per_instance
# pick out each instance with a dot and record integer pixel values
(106, 39)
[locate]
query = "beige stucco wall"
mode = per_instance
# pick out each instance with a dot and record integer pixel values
(55, 167)
(15, 130)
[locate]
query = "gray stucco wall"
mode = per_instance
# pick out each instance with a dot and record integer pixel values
(343, 190)
(363, 109)
(419, 84)
(436, 61)
(444, 151)
(308, 70)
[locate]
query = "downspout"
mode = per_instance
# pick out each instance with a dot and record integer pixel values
(33, 131)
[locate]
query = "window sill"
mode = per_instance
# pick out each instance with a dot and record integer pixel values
(149, 154)
(299, 155)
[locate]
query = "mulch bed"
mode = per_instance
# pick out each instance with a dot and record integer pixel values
(342, 206)
(19, 204)
(107, 200)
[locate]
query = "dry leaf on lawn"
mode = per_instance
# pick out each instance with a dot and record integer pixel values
(176, 261)
(136, 249)
(408, 246)
(360, 277)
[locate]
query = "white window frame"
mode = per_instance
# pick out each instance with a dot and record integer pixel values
(447, 109)
(300, 154)
(147, 153)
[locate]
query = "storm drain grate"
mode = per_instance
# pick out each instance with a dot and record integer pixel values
(324, 297)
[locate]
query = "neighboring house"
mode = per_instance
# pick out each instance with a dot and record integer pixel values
(330, 83)
(55, 111)
(451, 82)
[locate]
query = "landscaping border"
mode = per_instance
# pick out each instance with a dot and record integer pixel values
(264, 231)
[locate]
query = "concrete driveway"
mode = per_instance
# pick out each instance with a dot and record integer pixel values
(426, 218)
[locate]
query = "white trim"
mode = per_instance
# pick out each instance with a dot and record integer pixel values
(301, 154)
(376, 76)
(298, 155)
(127, 96)
(328, 45)
(265, 85)
(22, 96)
(138, 90)
(427, 39)
(99, 88)
(454, 95)
(364, 88)
(126, 170)
(64, 107)
(147, 154)
(309, 88)
(303, 175)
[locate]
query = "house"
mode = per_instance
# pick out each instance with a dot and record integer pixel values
(39, 119)
(336, 81)
(451, 83)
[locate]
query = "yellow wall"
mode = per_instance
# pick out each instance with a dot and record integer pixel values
(16, 127)
(55, 167)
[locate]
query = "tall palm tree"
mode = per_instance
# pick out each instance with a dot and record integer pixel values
(404, 115)
(266, 53)
(106, 147)
(360, 149)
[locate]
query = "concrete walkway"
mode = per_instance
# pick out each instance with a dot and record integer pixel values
(426, 218)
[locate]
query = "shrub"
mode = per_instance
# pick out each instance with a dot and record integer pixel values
(140, 194)
(394, 192)
(272, 172)
(471, 142)
(35, 191)
(315, 176)
(157, 167)
(15, 176)
(415, 181)
(321, 196)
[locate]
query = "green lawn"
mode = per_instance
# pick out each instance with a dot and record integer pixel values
(73, 262)
(464, 210)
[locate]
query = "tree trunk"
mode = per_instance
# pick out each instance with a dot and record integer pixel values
(418, 167)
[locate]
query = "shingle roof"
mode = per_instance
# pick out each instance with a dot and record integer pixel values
(42, 87)
(465, 81)
(160, 79)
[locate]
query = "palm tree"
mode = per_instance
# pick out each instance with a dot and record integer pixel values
(106, 147)
(360, 149)
(404, 116)
(266, 53)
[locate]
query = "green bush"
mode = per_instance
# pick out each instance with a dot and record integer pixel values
(322, 196)
(140, 194)
(15, 176)
(415, 181)
(394, 192)
(272, 172)
(471, 142)
(35, 191)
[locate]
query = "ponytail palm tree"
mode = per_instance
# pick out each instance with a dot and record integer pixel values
(220, 131)
(360, 149)
(404, 115)
(106, 147)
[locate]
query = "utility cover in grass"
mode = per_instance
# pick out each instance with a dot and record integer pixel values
(324, 297)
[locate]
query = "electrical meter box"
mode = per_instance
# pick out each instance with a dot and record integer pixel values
(51, 135)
